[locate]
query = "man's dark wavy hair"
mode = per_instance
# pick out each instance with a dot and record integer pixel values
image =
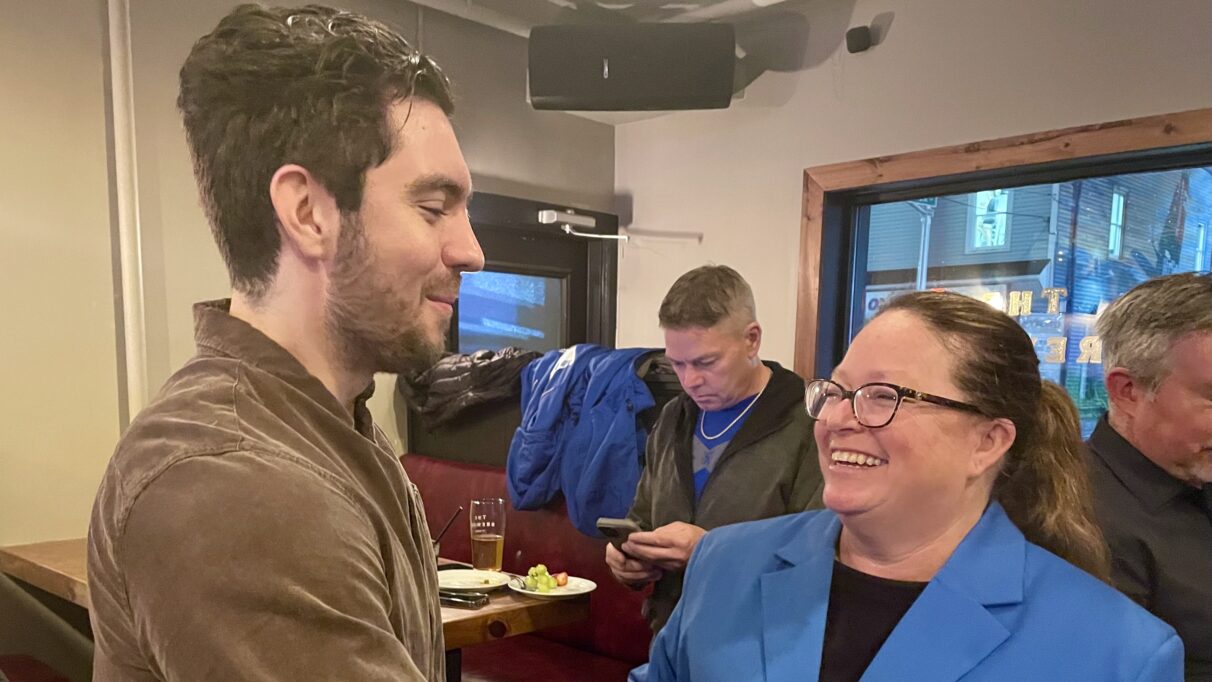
(272, 86)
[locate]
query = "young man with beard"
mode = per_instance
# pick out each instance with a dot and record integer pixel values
(254, 523)
(737, 447)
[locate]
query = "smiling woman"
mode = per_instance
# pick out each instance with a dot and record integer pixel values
(951, 536)
(1013, 437)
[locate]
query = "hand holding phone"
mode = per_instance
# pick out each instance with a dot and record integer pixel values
(668, 547)
(617, 530)
(626, 568)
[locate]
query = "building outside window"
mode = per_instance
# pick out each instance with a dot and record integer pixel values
(1057, 274)
(989, 220)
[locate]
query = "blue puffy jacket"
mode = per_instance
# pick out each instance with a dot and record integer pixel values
(579, 433)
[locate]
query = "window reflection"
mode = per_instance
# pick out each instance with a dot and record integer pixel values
(1050, 255)
(501, 309)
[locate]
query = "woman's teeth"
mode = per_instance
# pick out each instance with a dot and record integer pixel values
(855, 458)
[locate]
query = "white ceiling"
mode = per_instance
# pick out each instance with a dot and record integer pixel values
(518, 16)
(539, 12)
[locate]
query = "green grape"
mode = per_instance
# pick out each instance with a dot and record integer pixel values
(538, 579)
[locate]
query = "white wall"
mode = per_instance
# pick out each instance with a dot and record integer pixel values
(58, 355)
(948, 72)
(58, 361)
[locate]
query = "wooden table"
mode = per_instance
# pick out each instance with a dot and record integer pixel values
(509, 614)
(59, 567)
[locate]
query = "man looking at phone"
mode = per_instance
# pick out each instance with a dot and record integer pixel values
(737, 447)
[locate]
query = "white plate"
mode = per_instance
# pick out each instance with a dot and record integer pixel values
(574, 587)
(471, 580)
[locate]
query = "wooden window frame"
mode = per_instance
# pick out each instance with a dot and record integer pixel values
(829, 193)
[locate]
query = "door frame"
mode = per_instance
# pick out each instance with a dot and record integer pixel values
(513, 213)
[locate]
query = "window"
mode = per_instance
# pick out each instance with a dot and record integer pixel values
(541, 289)
(989, 220)
(864, 237)
(500, 309)
(1057, 277)
(1115, 232)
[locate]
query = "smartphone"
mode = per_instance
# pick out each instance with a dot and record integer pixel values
(617, 530)
(463, 600)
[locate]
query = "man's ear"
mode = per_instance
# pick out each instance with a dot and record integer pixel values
(1124, 392)
(753, 338)
(993, 444)
(308, 218)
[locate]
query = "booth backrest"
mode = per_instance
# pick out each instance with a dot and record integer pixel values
(615, 627)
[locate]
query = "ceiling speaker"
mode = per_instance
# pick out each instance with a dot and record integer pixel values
(632, 67)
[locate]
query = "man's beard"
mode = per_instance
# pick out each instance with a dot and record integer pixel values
(370, 326)
(1201, 471)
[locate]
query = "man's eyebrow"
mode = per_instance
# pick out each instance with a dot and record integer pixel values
(698, 358)
(437, 182)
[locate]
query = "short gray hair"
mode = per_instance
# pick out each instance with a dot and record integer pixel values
(1138, 329)
(706, 296)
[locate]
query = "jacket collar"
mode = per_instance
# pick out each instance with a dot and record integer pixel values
(990, 561)
(1146, 481)
(946, 632)
(218, 333)
(795, 599)
(784, 393)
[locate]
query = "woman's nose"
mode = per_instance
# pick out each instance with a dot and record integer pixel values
(839, 415)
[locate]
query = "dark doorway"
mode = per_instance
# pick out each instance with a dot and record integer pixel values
(542, 289)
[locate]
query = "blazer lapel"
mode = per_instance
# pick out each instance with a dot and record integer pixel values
(795, 600)
(943, 636)
(949, 630)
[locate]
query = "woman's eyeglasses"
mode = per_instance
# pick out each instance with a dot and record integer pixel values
(875, 404)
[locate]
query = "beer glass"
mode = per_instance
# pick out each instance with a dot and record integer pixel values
(487, 533)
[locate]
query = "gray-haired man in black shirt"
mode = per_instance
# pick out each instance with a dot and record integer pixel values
(1151, 455)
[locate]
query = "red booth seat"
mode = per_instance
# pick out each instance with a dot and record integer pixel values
(613, 640)
(27, 669)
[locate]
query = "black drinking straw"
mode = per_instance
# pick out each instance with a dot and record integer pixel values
(448, 524)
